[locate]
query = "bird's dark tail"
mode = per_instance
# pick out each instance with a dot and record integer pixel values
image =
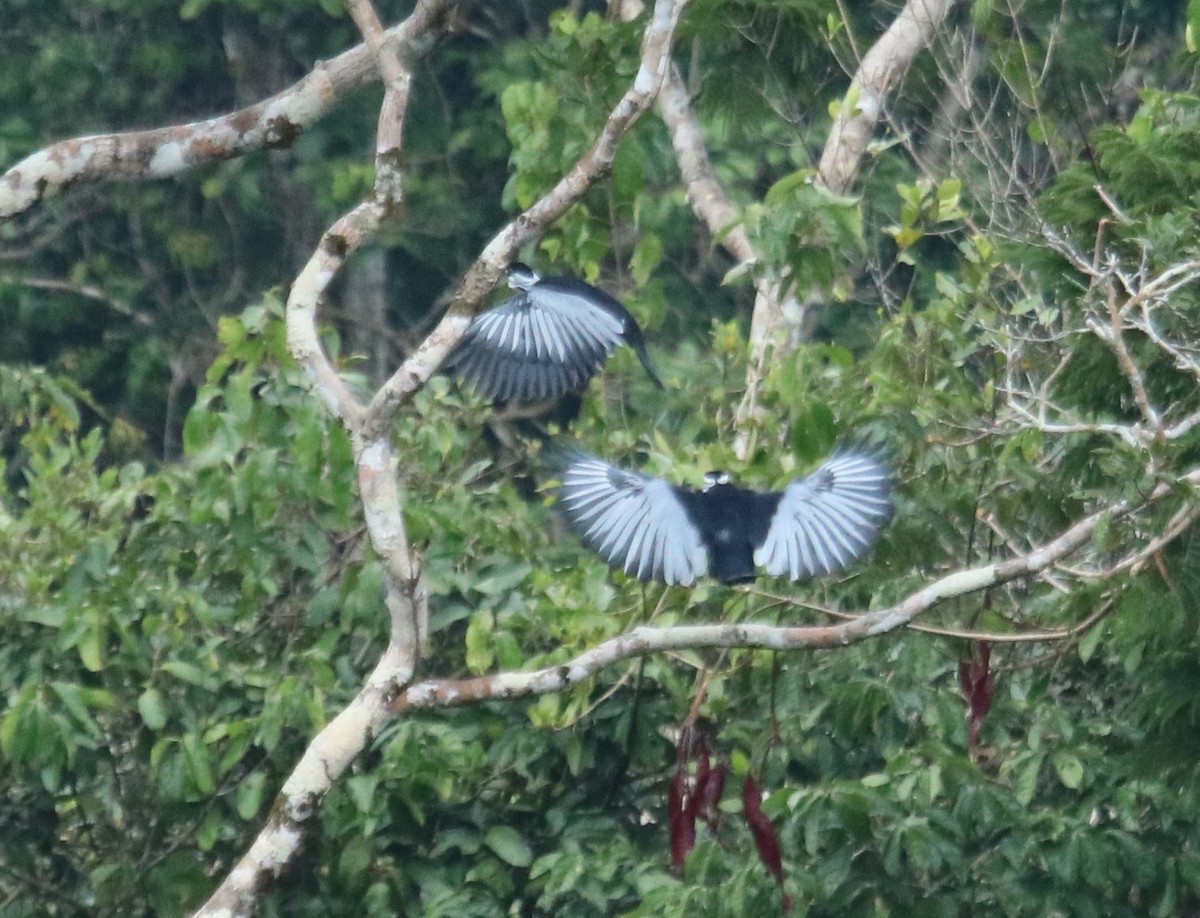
(639, 348)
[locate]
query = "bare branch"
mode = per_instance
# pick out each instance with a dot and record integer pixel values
(781, 314)
(87, 291)
(336, 746)
(881, 71)
(996, 637)
(1114, 336)
(299, 800)
(712, 205)
(163, 152)
(646, 640)
(344, 738)
(708, 199)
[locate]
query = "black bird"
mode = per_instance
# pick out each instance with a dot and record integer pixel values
(547, 340)
(654, 530)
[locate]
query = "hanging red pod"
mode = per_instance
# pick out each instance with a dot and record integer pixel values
(766, 839)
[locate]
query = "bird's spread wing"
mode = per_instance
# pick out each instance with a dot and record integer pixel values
(635, 522)
(536, 345)
(827, 520)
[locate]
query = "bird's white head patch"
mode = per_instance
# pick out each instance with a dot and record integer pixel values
(713, 479)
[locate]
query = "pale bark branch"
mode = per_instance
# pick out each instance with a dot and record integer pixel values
(343, 739)
(966, 634)
(882, 69)
(782, 316)
(1132, 299)
(163, 152)
(711, 203)
(87, 291)
(709, 200)
(295, 809)
(646, 639)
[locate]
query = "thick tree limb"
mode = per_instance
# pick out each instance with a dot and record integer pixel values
(709, 200)
(645, 640)
(340, 742)
(880, 72)
(780, 318)
(163, 152)
(711, 203)
(331, 752)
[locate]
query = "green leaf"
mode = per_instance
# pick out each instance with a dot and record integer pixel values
(647, 255)
(785, 186)
(152, 705)
(509, 846)
(187, 672)
(249, 795)
(1069, 768)
(1027, 779)
(480, 654)
(72, 697)
(91, 649)
(502, 579)
(1090, 641)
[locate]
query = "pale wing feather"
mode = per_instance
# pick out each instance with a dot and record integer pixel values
(635, 522)
(824, 522)
(533, 347)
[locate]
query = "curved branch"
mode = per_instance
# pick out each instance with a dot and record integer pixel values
(646, 640)
(782, 315)
(163, 152)
(711, 203)
(327, 757)
(335, 747)
(331, 752)
(708, 199)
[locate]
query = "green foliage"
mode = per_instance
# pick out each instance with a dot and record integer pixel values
(175, 634)
(145, 688)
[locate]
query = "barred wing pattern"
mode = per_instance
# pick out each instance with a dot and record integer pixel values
(536, 346)
(827, 520)
(635, 522)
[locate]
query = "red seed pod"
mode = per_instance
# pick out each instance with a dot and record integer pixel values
(710, 795)
(766, 839)
(681, 820)
(978, 685)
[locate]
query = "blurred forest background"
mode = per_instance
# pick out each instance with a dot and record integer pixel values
(1006, 295)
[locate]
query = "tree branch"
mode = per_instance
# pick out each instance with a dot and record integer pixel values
(882, 69)
(163, 152)
(331, 752)
(335, 747)
(646, 640)
(781, 314)
(711, 203)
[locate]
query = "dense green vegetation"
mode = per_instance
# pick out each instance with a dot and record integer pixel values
(187, 593)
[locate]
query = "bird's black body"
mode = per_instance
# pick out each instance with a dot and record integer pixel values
(655, 530)
(732, 522)
(547, 340)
